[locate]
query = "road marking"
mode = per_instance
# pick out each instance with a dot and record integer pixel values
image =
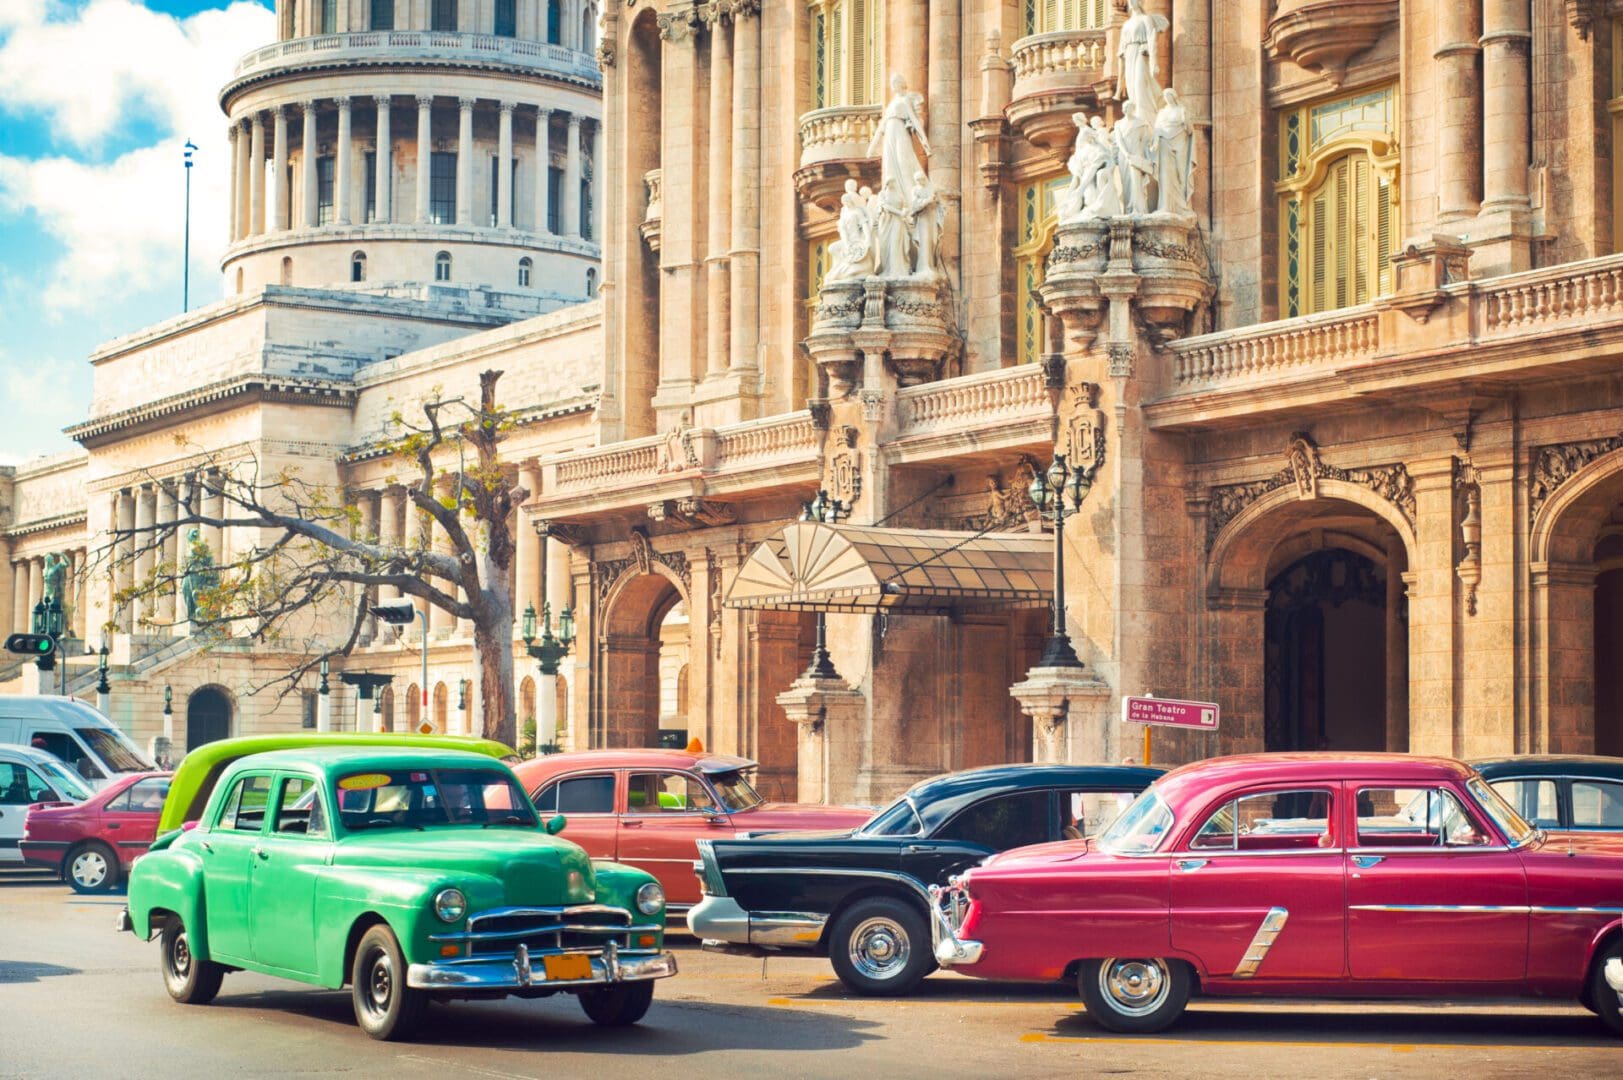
(1396, 1048)
(791, 1003)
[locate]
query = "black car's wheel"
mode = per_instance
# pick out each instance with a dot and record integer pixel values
(880, 946)
(92, 868)
(1604, 999)
(618, 1006)
(1134, 995)
(385, 1007)
(189, 979)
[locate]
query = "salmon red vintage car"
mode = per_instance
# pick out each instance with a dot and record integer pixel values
(1308, 875)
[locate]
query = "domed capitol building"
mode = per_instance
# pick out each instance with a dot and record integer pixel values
(812, 313)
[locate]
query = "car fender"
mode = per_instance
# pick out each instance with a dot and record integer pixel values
(617, 884)
(1603, 939)
(170, 880)
(402, 898)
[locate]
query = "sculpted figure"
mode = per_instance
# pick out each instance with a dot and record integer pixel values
(200, 572)
(1174, 157)
(892, 141)
(1102, 195)
(852, 255)
(928, 216)
(895, 240)
(1133, 138)
(1068, 204)
(56, 573)
(1136, 80)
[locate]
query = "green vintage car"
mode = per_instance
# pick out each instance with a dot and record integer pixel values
(406, 874)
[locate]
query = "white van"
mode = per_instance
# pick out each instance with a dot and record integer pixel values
(29, 776)
(89, 743)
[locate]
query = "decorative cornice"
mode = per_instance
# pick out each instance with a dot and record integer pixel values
(29, 528)
(243, 389)
(1556, 463)
(677, 26)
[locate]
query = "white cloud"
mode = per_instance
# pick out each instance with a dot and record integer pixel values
(86, 71)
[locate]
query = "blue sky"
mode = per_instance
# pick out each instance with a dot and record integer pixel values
(96, 99)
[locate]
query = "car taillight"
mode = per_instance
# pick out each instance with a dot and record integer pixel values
(972, 918)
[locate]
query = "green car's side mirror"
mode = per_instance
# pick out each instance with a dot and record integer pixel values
(555, 824)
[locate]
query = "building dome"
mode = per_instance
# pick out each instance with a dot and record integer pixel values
(388, 144)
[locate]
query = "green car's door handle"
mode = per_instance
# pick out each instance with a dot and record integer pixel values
(261, 852)
(206, 846)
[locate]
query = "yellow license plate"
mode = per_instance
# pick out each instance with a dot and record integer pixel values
(566, 968)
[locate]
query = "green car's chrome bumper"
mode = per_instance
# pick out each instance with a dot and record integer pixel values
(522, 971)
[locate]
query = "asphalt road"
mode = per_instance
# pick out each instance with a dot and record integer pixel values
(79, 1000)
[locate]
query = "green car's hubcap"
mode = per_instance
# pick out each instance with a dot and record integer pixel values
(182, 958)
(89, 869)
(880, 948)
(1134, 987)
(380, 982)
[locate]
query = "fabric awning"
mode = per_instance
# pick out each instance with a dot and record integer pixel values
(854, 568)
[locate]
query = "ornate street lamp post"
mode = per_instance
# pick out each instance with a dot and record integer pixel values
(324, 699)
(548, 655)
(168, 725)
(104, 692)
(829, 512)
(1050, 492)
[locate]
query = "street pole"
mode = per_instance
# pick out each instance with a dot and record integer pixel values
(422, 715)
(186, 241)
(104, 692)
(324, 702)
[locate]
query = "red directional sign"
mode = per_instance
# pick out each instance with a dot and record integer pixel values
(1166, 712)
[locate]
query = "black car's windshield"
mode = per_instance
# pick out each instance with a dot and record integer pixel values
(734, 791)
(422, 798)
(897, 819)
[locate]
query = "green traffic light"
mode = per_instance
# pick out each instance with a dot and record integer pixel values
(44, 645)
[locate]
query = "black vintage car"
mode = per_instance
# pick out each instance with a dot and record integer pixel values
(1560, 792)
(862, 897)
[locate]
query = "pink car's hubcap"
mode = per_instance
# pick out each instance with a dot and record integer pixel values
(1134, 987)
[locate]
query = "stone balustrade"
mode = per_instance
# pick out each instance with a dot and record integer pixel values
(435, 47)
(756, 442)
(838, 133)
(1541, 299)
(610, 466)
(1278, 348)
(1054, 76)
(981, 400)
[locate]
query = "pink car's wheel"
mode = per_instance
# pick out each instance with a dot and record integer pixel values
(1134, 994)
(1606, 996)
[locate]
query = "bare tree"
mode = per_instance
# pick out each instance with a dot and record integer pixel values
(316, 566)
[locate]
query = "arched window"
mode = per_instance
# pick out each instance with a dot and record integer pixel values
(524, 267)
(1035, 234)
(848, 50)
(506, 18)
(386, 709)
(442, 266)
(239, 279)
(591, 282)
(383, 14)
(287, 269)
(414, 707)
(442, 698)
(444, 15)
(1048, 16)
(588, 29)
(554, 21)
(1338, 202)
(357, 266)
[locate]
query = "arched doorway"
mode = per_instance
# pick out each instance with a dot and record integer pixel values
(441, 699)
(1609, 638)
(630, 661)
(386, 709)
(414, 707)
(208, 716)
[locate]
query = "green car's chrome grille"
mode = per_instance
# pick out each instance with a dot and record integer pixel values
(584, 927)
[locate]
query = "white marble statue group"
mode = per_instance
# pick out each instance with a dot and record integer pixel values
(1145, 163)
(895, 233)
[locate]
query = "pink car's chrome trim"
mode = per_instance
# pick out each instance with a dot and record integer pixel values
(1513, 909)
(1257, 951)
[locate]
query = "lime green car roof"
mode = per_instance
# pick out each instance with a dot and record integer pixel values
(200, 770)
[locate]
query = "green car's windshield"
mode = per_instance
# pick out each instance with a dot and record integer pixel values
(734, 791)
(421, 798)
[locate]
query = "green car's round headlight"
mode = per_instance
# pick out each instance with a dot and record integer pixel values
(450, 905)
(650, 898)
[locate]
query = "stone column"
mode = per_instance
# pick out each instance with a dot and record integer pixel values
(256, 176)
(77, 624)
(1459, 110)
(279, 192)
(308, 170)
(599, 186)
(944, 120)
(341, 168)
(543, 169)
(384, 155)
(1506, 41)
(21, 611)
(569, 200)
(425, 150)
(504, 167)
(1067, 707)
(907, 46)
(124, 576)
(558, 575)
(744, 271)
(389, 507)
(826, 713)
(163, 605)
(234, 210)
(718, 199)
(213, 504)
(242, 202)
(369, 529)
(1433, 627)
(527, 585)
(464, 164)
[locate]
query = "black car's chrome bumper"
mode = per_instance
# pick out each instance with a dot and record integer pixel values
(722, 925)
(524, 970)
(947, 908)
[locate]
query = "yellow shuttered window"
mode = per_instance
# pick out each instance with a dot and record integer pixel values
(1338, 200)
(1036, 240)
(847, 52)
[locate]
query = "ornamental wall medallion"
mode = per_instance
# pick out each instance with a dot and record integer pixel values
(845, 477)
(1555, 464)
(1082, 435)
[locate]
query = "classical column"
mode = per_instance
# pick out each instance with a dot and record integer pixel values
(527, 586)
(745, 258)
(242, 204)
(124, 565)
(945, 120)
(236, 178)
(384, 168)
(425, 150)
(213, 505)
(464, 164)
(341, 168)
(1506, 43)
(21, 612)
(75, 594)
(279, 169)
(543, 169)
(368, 501)
(504, 168)
(256, 176)
(907, 46)
(1459, 110)
(389, 507)
(719, 212)
(599, 186)
(569, 200)
(308, 170)
(163, 604)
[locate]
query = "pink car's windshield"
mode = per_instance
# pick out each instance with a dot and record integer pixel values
(1140, 829)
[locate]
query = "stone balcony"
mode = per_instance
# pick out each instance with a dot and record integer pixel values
(1417, 344)
(834, 147)
(1055, 75)
(414, 48)
(988, 411)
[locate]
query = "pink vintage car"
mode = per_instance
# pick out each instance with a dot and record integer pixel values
(1312, 875)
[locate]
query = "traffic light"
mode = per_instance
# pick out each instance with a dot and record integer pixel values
(395, 612)
(40, 646)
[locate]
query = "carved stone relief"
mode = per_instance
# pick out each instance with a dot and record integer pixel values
(1082, 436)
(1555, 464)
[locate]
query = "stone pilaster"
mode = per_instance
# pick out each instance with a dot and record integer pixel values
(826, 714)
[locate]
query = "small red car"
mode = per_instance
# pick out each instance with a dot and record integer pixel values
(648, 808)
(1305, 875)
(92, 844)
